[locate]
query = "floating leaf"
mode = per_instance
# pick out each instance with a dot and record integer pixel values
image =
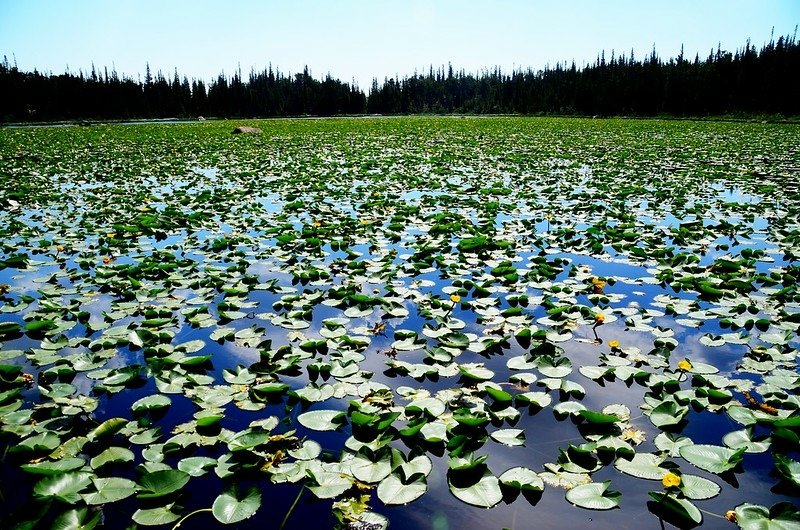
(155, 516)
(476, 371)
(110, 489)
(65, 487)
(322, 420)
(161, 483)
(510, 437)
(642, 465)
(112, 455)
(598, 417)
(594, 496)
(744, 439)
(787, 467)
(712, 458)
(54, 467)
(680, 512)
(197, 466)
(521, 478)
(484, 493)
(369, 471)
(667, 414)
(77, 519)
(534, 399)
(233, 506)
(781, 516)
(329, 485)
(393, 491)
(698, 488)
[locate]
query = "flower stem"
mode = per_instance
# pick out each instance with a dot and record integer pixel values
(711, 513)
(291, 508)
(189, 515)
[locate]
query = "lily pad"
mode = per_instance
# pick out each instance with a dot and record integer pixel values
(233, 506)
(485, 492)
(322, 420)
(712, 458)
(594, 496)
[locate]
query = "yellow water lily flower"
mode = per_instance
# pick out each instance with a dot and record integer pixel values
(455, 298)
(613, 344)
(599, 318)
(106, 260)
(597, 282)
(317, 223)
(671, 480)
(684, 365)
(60, 248)
(111, 235)
(730, 515)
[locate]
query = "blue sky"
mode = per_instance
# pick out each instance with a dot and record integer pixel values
(355, 39)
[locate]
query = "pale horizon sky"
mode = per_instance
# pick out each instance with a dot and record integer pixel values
(361, 39)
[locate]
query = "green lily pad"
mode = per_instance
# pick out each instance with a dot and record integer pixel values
(77, 519)
(111, 489)
(594, 496)
(232, 506)
(781, 516)
(161, 483)
(680, 512)
(698, 488)
(394, 491)
(112, 455)
(712, 458)
(55, 467)
(788, 468)
(744, 439)
(322, 420)
(485, 492)
(155, 516)
(521, 478)
(511, 437)
(65, 487)
(642, 465)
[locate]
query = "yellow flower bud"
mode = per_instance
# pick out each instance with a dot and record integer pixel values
(455, 298)
(684, 365)
(671, 480)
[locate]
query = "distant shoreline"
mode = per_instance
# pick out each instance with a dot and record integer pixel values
(792, 120)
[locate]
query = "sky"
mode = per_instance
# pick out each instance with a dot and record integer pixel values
(356, 40)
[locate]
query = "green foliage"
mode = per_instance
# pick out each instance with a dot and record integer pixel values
(428, 291)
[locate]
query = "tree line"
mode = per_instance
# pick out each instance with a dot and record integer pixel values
(35, 96)
(747, 81)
